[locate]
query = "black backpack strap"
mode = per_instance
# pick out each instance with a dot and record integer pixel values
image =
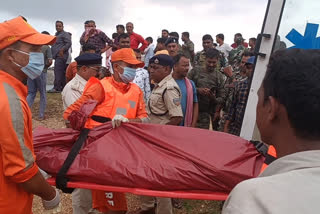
(263, 149)
(61, 179)
(269, 159)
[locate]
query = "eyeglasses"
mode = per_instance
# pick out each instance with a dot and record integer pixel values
(97, 69)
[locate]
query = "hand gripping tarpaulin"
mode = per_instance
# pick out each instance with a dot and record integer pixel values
(152, 157)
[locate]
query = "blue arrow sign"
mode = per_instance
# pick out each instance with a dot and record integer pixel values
(308, 41)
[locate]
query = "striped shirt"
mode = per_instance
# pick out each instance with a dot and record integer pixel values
(238, 106)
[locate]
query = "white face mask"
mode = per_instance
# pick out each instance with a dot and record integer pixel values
(35, 66)
(128, 74)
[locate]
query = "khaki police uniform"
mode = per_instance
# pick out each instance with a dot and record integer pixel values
(164, 101)
(163, 104)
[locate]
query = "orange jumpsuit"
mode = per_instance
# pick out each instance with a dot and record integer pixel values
(17, 159)
(119, 98)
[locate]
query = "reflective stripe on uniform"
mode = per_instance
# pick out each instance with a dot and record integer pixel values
(18, 122)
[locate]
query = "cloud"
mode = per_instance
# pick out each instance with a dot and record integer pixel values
(69, 11)
(211, 7)
(197, 17)
(42, 14)
(149, 16)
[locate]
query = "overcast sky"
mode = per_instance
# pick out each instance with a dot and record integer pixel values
(198, 17)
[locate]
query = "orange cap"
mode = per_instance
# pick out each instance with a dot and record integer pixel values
(19, 30)
(126, 55)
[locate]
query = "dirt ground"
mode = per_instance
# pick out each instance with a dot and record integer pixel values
(54, 119)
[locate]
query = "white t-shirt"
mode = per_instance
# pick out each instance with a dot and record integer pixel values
(224, 48)
(289, 185)
(73, 91)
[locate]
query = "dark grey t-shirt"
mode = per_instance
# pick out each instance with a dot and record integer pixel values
(46, 50)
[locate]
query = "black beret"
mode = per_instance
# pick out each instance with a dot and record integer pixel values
(89, 59)
(172, 40)
(162, 59)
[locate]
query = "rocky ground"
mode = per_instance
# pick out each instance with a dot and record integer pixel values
(54, 120)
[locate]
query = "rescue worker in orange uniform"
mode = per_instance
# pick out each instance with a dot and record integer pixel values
(123, 101)
(20, 178)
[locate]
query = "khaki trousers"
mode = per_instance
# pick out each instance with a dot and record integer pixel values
(82, 202)
(164, 205)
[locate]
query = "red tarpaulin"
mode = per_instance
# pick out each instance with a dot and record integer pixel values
(151, 157)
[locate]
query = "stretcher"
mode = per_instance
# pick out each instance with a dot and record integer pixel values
(151, 160)
(197, 195)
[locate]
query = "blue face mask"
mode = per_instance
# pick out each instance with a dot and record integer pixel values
(128, 74)
(35, 65)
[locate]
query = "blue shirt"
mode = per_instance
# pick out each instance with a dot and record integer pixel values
(182, 85)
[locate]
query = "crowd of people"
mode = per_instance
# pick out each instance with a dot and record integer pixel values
(219, 74)
(207, 89)
(173, 85)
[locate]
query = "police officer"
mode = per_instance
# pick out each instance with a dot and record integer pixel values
(209, 82)
(164, 103)
(88, 65)
(173, 46)
(163, 108)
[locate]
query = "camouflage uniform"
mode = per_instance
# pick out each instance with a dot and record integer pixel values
(229, 89)
(200, 59)
(180, 49)
(234, 60)
(188, 50)
(235, 55)
(213, 80)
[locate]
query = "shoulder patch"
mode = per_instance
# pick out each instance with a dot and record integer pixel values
(176, 101)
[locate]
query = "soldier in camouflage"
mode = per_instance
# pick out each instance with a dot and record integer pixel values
(234, 75)
(209, 82)
(235, 54)
(200, 57)
(188, 47)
